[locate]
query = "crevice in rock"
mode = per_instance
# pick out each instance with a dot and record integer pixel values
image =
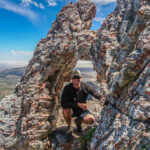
(37, 96)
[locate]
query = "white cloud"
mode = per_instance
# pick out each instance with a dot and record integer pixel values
(102, 2)
(20, 53)
(40, 5)
(19, 10)
(32, 2)
(99, 19)
(26, 2)
(51, 3)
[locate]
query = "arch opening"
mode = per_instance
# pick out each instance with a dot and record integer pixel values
(89, 76)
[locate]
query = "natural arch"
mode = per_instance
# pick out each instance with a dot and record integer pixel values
(54, 58)
(120, 55)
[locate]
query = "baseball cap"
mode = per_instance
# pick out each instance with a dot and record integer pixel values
(76, 74)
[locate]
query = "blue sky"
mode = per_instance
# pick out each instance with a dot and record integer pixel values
(25, 22)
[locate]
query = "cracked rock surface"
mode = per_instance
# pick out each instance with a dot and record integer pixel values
(30, 114)
(121, 56)
(120, 53)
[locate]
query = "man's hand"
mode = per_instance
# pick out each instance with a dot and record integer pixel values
(82, 105)
(102, 100)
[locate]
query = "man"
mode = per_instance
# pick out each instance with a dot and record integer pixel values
(73, 101)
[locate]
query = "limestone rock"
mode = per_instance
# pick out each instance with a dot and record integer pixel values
(30, 114)
(122, 53)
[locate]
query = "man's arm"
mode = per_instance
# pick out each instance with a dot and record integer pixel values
(95, 93)
(82, 105)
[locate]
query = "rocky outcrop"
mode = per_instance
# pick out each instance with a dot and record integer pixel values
(121, 56)
(30, 114)
(120, 53)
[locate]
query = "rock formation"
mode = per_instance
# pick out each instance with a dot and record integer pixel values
(121, 57)
(30, 114)
(120, 52)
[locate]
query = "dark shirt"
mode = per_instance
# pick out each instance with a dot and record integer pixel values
(71, 96)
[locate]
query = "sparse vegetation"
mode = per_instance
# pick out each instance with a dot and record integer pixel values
(7, 85)
(87, 138)
(8, 80)
(143, 147)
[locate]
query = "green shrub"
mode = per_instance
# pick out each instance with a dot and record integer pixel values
(143, 147)
(86, 139)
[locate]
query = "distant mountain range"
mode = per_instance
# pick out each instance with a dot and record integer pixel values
(11, 76)
(13, 71)
(19, 71)
(10, 65)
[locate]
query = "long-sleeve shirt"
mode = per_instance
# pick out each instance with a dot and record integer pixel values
(71, 96)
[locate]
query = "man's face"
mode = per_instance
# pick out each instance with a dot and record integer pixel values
(76, 82)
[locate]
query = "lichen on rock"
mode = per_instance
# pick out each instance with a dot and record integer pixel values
(122, 51)
(120, 54)
(27, 125)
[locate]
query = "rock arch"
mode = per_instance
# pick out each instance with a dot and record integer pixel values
(120, 54)
(34, 102)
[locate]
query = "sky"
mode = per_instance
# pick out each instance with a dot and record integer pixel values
(24, 22)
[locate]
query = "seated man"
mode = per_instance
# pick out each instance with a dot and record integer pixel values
(73, 101)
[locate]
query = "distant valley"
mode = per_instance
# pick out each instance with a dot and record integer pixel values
(11, 76)
(13, 72)
(8, 80)
(10, 65)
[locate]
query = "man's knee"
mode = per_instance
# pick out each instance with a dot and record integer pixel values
(88, 120)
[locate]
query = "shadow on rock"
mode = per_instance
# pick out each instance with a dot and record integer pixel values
(62, 140)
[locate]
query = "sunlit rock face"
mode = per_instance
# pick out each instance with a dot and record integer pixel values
(30, 114)
(122, 53)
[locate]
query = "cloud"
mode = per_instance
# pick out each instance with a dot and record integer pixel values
(19, 10)
(99, 19)
(39, 5)
(102, 2)
(32, 2)
(21, 53)
(51, 3)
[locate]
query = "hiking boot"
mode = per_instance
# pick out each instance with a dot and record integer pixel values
(68, 127)
(69, 130)
(68, 137)
(78, 125)
(69, 134)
